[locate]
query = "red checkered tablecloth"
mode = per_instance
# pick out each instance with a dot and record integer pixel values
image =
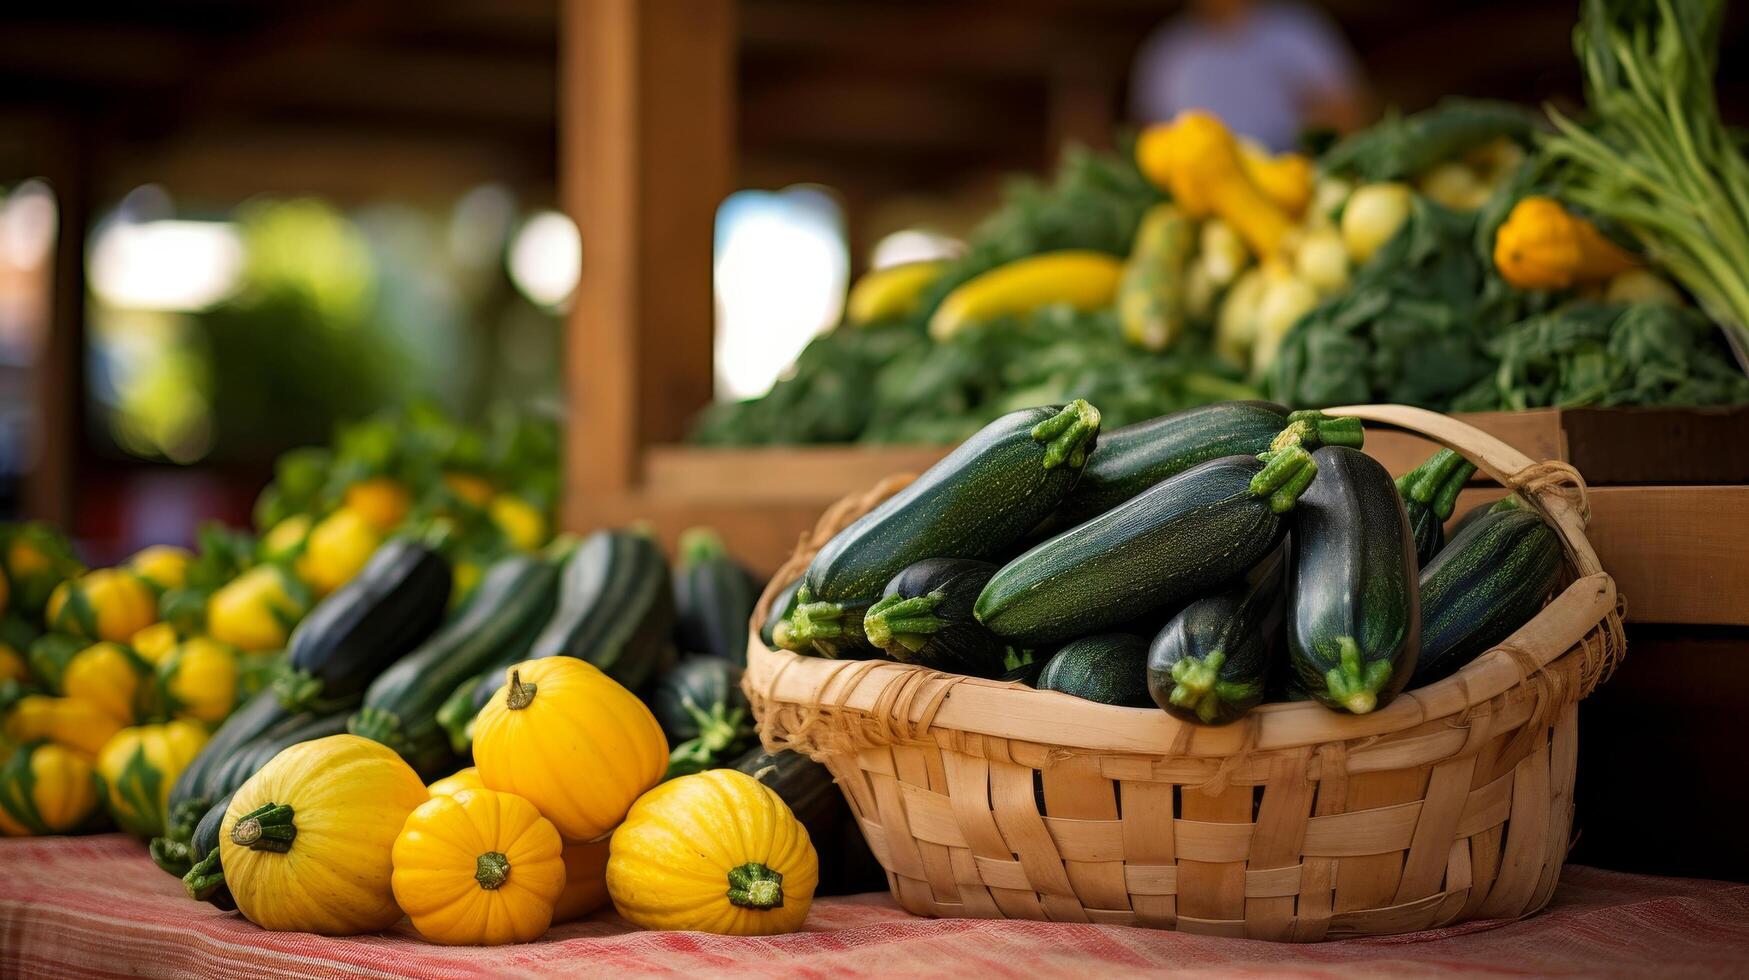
(97, 906)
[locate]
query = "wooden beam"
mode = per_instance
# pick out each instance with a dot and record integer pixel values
(646, 97)
(59, 378)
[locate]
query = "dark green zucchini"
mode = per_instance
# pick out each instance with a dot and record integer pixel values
(1354, 619)
(190, 795)
(782, 605)
(1211, 663)
(701, 709)
(1176, 540)
(977, 503)
(616, 610)
(205, 880)
(1509, 502)
(510, 605)
(1490, 580)
(248, 759)
(847, 867)
(1111, 668)
(388, 608)
(925, 617)
(713, 598)
(1136, 457)
(1429, 493)
(456, 715)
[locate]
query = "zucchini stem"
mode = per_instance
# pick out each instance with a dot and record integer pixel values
(207, 876)
(296, 689)
(1193, 683)
(1352, 684)
(903, 623)
(1310, 429)
(755, 886)
(1286, 474)
(173, 856)
(700, 544)
(812, 621)
(268, 827)
(1069, 435)
(1437, 482)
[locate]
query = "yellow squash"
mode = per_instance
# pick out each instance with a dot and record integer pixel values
(79, 725)
(455, 782)
(1542, 246)
(480, 868)
(110, 676)
(585, 880)
(284, 542)
(13, 665)
(154, 643)
(37, 559)
(1085, 280)
(572, 741)
(200, 680)
(163, 565)
(257, 609)
(46, 789)
(306, 843)
(107, 604)
(470, 487)
(338, 547)
(1285, 178)
(382, 501)
(1197, 159)
(521, 522)
(1373, 216)
(890, 293)
(1150, 298)
(718, 852)
(139, 765)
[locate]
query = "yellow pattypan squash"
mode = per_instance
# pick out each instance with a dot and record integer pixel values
(107, 604)
(1542, 246)
(110, 676)
(381, 500)
(717, 851)
(585, 880)
(46, 789)
(479, 868)
(337, 549)
(455, 782)
(257, 609)
(200, 680)
(521, 522)
(306, 842)
(569, 739)
(470, 487)
(79, 725)
(37, 559)
(285, 540)
(154, 643)
(163, 565)
(139, 765)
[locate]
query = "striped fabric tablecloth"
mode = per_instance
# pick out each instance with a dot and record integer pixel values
(87, 906)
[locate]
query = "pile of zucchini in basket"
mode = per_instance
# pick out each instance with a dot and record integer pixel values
(1205, 562)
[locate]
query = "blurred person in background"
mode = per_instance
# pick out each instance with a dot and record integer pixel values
(1269, 70)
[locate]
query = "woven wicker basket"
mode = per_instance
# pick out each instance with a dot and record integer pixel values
(992, 800)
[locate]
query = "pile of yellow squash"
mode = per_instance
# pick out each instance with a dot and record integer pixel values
(561, 812)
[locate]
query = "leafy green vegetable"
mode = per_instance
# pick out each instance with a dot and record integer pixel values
(1400, 147)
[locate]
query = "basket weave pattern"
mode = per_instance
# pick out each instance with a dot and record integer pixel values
(992, 800)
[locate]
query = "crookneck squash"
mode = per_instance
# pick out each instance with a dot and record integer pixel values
(306, 842)
(139, 765)
(716, 852)
(46, 789)
(479, 868)
(572, 741)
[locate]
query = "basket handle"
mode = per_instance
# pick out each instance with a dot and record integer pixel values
(1499, 461)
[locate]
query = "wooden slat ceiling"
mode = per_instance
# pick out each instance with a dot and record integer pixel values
(366, 96)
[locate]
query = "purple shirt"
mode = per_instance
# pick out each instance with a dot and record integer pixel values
(1257, 73)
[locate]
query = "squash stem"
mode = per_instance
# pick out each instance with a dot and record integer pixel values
(813, 621)
(1193, 684)
(1310, 429)
(207, 876)
(184, 816)
(1286, 474)
(1437, 482)
(1352, 684)
(519, 695)
(491, 870)
(173, 856)
(755, 886)
(700, 544)
(268, 827)
(903, 625)
(1069, 435)
(296, 689)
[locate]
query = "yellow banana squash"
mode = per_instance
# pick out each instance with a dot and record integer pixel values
(306, 843)
(569, 739)
(107, 604)
(717, 851)
(139, 765)
(79, 725)
(46, 789)
(890, 293)
(479, 868)
(1083, 279)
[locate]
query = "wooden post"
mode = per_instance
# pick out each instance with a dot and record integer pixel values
(59, 376)
(646, 140)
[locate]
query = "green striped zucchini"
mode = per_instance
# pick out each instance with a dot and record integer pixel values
(713, 598)
(1191, 533)
(1111, 668)
(782, 605)
(1429, 493)
(1354, 615)
(190, 795)
(1211, 663)
(703, 713)
(1490, 580)
(205, 880)
(510, 605)
(925, 617)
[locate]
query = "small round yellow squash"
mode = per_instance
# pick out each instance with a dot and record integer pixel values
(585, 880)
(479, 868)
(163, 565)
(306, 842)
(108, 604)
(572, 741)
(455, 782)
(200, 680)
(140, 764)
(46, 789)
(717, 851)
